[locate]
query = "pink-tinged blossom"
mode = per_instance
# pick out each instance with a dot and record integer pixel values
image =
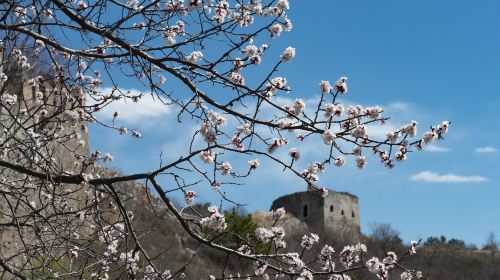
(305, 275)
(277, 214)
(215, 186)
(278, 232)
(3, 78)
(236, 140)
(443, 127)
(207, 156)
(237, 78)
(325, 257)
(73, 253)
(317, 167)
(348, 256)
(282, 5)
(429, 136)
(216, 118)
(250, 50)
(162, 79)
(413, 248)
(419, 146)
(359, 132)
(194, 57)
(361, 162)
(309, 240)
(324, 192)
(260, 267)
(276, 144)
(410, 129)
(108, 157)
(288, 54)
(391, 258)
(340, 161)
(189, 197)
(329, 137)
(245, 128)
(341, 85)
(334, 110)
(225, 168)
(207, 132)
(401, 153)
(277, 83)
(325, 87)
(81, 5)
(254, 163)
(264, 235)
(298, 106)
(130, 215)
(133, 4)
(288, 25)
(245, 250)
(276, 30)
(374, 112)
(293, 260)
(215, 221)
(372, 265)
(71, 116)
(393, 136)
(405, 275)
(294, 154)
(8, 99)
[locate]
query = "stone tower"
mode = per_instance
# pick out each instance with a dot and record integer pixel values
(336, 214)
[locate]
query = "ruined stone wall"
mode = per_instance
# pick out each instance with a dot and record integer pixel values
(342, 215)
(306, 206)
(337, 214)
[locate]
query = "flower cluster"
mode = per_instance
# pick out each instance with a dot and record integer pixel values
(189, 197)
(277, 234)
(277, 214)
(215, 221)
(293, 260)
(309, 240)
(288, 54)
(325, 257)
(351, 254)
(207, 156)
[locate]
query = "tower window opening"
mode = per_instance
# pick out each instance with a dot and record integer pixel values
(342, 212)
(305, 211)
(352, 215)
(331, 208)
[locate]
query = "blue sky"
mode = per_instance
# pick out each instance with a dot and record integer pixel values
(425, 60)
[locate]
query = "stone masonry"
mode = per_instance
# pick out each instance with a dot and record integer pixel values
(336, 214)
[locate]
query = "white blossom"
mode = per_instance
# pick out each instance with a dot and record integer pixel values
(329, 137)
(226, 168)
(288, 54)
(194, 56)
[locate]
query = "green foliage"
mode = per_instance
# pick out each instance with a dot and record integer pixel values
(240, 229)
(241, 225)
(442, 241)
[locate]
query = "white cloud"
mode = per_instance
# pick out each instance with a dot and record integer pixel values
(130, 112)
(433, 177)
(399, 105)
(436, 148)
(485, 150)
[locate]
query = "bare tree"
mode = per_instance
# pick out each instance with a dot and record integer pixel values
(200, 59)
